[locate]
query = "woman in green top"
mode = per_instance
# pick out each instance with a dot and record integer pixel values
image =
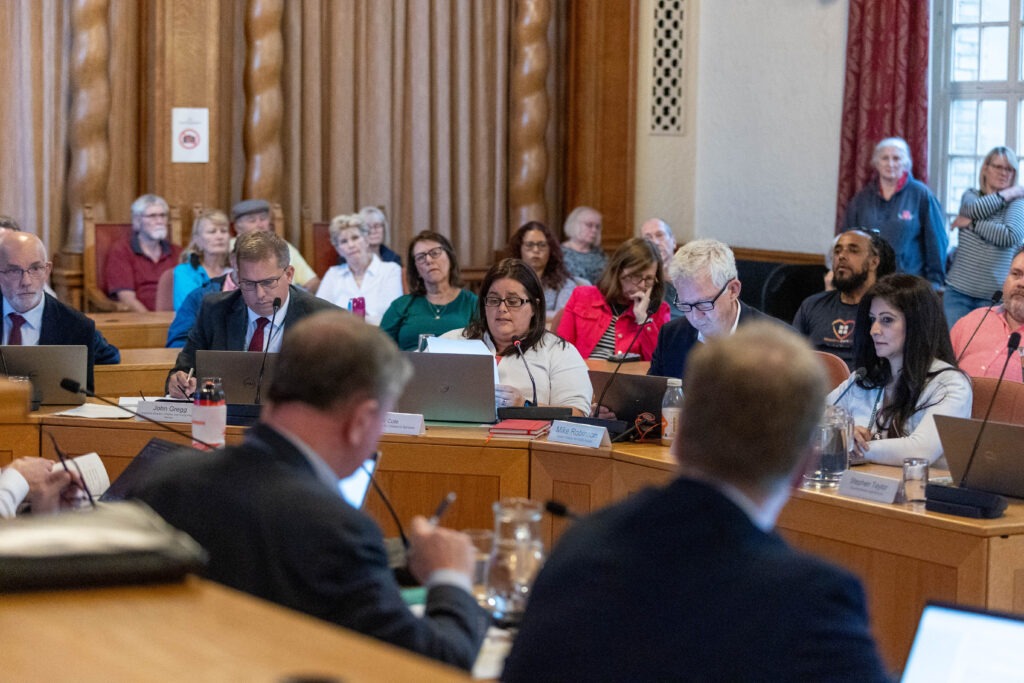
(436, 302)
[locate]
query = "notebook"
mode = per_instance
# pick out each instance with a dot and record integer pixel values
(239, 372)
(47, 366)
(999, 463)
(450, 387)
(962, 644)
(630, 394)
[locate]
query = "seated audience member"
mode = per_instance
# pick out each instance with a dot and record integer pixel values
(269, 513)
(362, 274)
(902, 342)
(984, 355)
(240, 320)
(688, 582)
(536, 246)
(380, 234)
(659, 233)
(253, 215)
(704, 274)
(511, 310)
(134, 267)
(206, 255)
(584, 257)
(33, 318)
(827, 318)
(185, 316)
(436, 302)
(38, 482)
(624, 311)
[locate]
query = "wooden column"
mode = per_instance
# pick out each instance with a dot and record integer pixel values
(528, 158)
(264, 100)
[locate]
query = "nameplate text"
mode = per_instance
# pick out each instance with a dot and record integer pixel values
(404, 423)
(165, 411)
(577, 434)
(871, 487)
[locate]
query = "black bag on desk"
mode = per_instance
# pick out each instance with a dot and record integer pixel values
(111, 545)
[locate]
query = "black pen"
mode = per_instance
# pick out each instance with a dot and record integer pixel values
(442, 507)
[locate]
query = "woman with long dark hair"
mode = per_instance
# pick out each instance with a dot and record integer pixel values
(535, 245)
(901, 341)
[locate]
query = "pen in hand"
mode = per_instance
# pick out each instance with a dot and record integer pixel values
(442, 508)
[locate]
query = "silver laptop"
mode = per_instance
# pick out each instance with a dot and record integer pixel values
(630, 395)
(239, 372)
(999, 463)
(47, 366)
(450, 387)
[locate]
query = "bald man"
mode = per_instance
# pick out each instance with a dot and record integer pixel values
(659, 233)
(33, 318)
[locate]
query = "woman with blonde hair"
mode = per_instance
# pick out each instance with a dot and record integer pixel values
(362, 274)
(206, 256)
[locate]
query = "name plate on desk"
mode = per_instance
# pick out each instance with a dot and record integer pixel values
(578, 434)
(404, 423)
(165, 411)
(871, 487)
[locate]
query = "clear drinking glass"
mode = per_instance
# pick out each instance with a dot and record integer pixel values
(483, 544)
(915, 479)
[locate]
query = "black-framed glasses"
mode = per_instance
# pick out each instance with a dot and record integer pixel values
(704, 306)
(35, 271)
(251, 285)
(510, 301)
(434, 254)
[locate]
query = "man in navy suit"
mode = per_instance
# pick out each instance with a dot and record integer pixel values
(245, 319)
(269, 511)
(689, 582)
(708, 294)
(31, 317)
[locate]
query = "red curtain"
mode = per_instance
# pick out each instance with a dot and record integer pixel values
(886, 89)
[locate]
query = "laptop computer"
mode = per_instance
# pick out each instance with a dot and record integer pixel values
(46, 366)
(450, 387)
(630, 395)
(239, 372)
(999, 463)
(961, 644)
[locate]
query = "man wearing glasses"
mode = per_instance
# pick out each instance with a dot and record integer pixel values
(708, 290)
(134, 267)
(240, 320)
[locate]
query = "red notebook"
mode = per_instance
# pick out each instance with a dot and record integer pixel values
(524, 427)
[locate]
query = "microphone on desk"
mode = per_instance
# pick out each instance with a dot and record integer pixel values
(516, 342)
(997, 296)
(266, 351)
(961, 500)
(858, 375)
(68, 384)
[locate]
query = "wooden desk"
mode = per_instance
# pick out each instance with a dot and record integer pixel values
(193, 631)
(140, 370)
(638, 367)
(134, 330)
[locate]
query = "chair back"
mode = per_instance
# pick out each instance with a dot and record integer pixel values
(836, 367)
(1009, 405)
(787, 286)
(165, 291)
(323, 252)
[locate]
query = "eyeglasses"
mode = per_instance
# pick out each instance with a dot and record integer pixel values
(704, 306)
(510, 301)
(35, 271)
(434, 254)
(535, 245)
(251, 285)
(638, 280)
(1000, 167)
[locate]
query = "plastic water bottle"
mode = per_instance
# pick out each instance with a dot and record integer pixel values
(209, 414)
(671, 407)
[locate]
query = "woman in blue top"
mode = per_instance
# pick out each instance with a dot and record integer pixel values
(205, 257)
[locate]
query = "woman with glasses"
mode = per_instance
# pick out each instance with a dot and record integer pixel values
(535, 245)
(379, 234)
(205, 257)
(436, 302)
(510, 321)
(362, 274)
(901, 340)
(991, 223)
(624, 311)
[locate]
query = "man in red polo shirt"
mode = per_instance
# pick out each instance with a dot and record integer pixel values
(134, 266)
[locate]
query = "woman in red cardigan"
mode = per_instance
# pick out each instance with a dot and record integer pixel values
(624, 312)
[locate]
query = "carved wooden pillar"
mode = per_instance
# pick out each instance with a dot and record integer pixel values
(528, 159)
(264, 100)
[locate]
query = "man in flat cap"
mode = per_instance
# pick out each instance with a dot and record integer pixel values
(253, 215)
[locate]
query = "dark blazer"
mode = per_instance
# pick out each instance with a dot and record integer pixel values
(274, 530)
(677, 337)
(63, 325)
(223, 318)
(678, 584)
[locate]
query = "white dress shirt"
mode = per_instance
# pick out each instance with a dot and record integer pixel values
(382, 284)
(33, 326)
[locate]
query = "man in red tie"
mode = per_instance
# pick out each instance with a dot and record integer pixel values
(33, 318)
(241, 319)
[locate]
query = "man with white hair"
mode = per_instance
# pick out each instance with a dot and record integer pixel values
(134, 267)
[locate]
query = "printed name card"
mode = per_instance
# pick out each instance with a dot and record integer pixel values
(869, 487)
(576, 434)
(404, 423)
(165, 411)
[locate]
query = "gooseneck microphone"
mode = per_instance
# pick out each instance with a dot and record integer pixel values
(997, 296)
(516, 342)
(858, 375)
(560, 509)
(68, 384)
(270, 338)
(1011, 346)
(611, 380)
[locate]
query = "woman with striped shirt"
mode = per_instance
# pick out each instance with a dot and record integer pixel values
(991, 223)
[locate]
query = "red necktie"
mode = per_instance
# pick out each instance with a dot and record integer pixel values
(14, 338)
(256, 343)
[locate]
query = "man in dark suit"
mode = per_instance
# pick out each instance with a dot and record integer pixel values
(246, 319)
(31, 317)
(269, 511)
(689, 582)
(708, 290)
